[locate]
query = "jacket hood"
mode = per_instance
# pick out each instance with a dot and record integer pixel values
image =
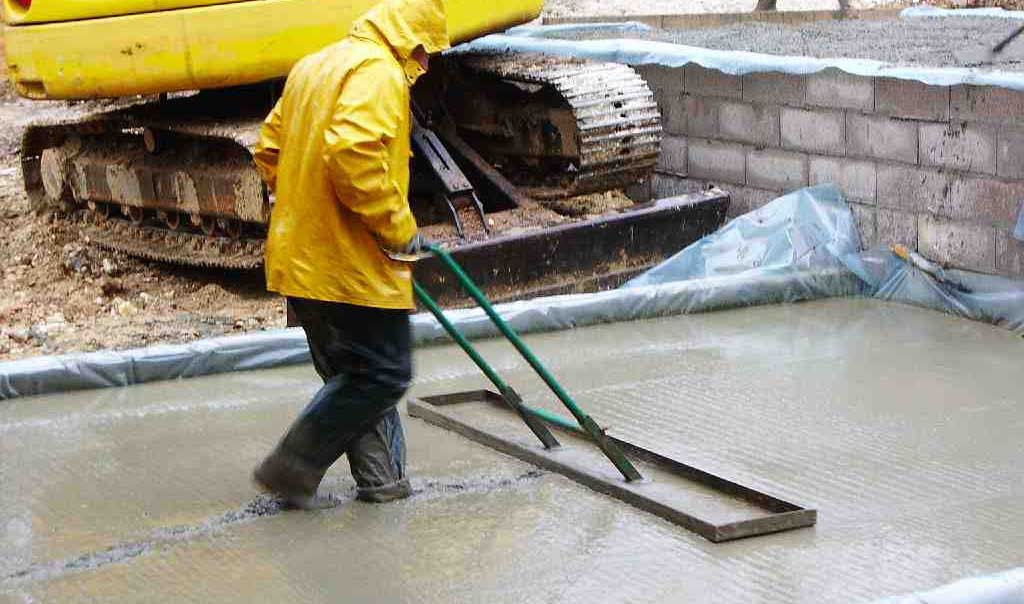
(405, 24)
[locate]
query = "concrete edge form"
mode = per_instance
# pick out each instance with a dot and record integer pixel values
(544, 39)
(52, 374)
(1000, 588)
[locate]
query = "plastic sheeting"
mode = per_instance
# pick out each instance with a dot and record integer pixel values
(934, 11)
(44, 375)
(1018, 232)
(808, 230)
(545, 39)
(813, 230)
(1001, 588)
(986, 298)
(41, 375)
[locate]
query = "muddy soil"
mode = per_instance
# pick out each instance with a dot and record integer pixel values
(59, 294)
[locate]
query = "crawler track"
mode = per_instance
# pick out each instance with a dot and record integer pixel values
(618, 126)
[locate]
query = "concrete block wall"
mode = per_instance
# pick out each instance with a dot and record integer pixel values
(938, 168)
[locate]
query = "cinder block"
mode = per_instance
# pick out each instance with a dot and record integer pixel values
(864, 216)
(774, 88)
(661, 78)
(911, 189)
(983, 200)
(1010, 152)
(1009, 254)
(711, 82)
(986, 104)
(947, 195)
(673, 155)
(754, 124)
(667, 85)
(700, 116)
(855, 177)
(641, 192)
(835, 88)
(881, 137)
(815, 131)
(670, 185)
(958, 145)
(910, 99)
(716, 161)
(745, 199)
(776, 170)
(958, 244)
(892, 227)
(673, 115)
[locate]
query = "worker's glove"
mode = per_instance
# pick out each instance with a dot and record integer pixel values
(417, 245)
(413, 250)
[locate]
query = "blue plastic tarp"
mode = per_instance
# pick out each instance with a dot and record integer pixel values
(546, 39)
(813, 230)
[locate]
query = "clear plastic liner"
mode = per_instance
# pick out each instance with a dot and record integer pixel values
(551, 39)
(1001, 588)
(1018, 232)
(934, 11)
(812, 230)
(986, 298)
(807, 230)
(105, 369)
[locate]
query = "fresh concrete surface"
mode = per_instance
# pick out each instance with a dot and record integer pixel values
(901, 426)
(931, 41)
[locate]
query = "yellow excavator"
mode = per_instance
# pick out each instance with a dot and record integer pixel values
(520, 159)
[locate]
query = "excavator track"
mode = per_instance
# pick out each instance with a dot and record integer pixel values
(173, 181)
(618, 130)
(185, 249)
(100, 178)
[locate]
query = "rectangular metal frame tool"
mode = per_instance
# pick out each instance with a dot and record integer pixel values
(779, 515)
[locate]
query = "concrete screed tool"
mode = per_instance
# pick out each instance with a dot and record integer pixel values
(712, 506)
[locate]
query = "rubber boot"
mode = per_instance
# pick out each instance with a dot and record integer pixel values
(294, 480)
(377, 461)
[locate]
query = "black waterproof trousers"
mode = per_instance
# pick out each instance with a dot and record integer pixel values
(364, 356)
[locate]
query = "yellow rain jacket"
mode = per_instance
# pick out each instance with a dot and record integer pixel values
(335, 149)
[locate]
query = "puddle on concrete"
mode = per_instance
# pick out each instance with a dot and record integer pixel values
(900, 425)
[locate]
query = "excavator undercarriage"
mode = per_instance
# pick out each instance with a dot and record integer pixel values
(520, 165)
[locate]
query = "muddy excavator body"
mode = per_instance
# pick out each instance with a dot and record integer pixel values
(521, 160)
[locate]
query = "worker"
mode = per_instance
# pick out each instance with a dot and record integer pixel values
(335, 150)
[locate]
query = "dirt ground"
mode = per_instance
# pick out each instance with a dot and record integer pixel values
(58, 294)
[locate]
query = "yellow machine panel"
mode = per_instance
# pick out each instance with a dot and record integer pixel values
(46, 11)
(201, 47)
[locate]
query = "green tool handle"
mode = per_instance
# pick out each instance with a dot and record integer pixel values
(461, 340)
(511, 397)
(585, 421)
(552, 418)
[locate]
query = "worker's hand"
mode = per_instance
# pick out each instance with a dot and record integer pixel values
(417, 245)
(416, 248)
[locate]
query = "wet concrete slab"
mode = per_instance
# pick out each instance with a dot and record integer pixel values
(925, 41)
(901, 426)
